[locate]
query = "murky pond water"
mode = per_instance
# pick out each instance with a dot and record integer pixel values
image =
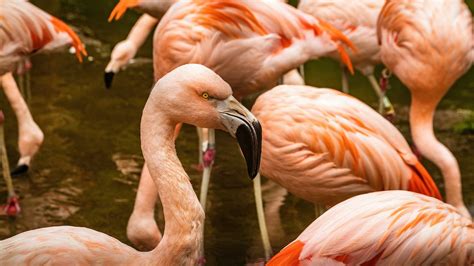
(87, 171)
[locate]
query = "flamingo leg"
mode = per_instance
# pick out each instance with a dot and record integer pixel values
(385, 106)
(209, 146)
(257, 187)
(12, 208)
(301, 71)
(142, 229)
(345, 80)
(319, 209)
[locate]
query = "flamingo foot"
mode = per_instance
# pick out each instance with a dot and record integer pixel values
(12, 208)
(20, 169)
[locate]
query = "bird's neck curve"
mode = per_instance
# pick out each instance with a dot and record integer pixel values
(184, 217)
(421, 124)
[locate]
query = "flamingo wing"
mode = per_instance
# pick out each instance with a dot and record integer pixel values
(65, 245)
(385, 228)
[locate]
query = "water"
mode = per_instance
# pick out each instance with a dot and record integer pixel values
(87, 171)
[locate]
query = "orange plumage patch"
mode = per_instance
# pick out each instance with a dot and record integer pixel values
(289, 256)
(76, 41)
(338, 36)
(39, 41)
(421, 182)
(121, 8)
(220, 14)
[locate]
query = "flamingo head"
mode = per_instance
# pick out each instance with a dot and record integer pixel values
(194, 94)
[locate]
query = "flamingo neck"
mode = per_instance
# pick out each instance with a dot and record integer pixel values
(421, 122)
(184, 217)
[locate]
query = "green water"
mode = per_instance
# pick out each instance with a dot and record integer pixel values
(87, 171)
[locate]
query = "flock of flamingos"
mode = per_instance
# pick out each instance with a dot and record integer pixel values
(322, 145)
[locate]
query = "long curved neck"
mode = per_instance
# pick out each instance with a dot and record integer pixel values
(421, 122)
(184, 216)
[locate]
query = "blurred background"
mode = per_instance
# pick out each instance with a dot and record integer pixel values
(87, 171)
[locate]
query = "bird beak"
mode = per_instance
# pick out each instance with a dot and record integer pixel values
(108, 78)
(243, 126)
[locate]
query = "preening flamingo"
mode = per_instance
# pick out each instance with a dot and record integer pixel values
(428, 45)
(358, 21)
(26, 30)
(126, 50)
(384, 228)
(250, 44)
(189, 94)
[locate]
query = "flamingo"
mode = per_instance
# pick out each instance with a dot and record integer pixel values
(26, 30)
(250, 44)
(126, 50)
(358, 21)
(325, 146)
(189, 94)
(30, 135)
(428, 45)
(384, 228)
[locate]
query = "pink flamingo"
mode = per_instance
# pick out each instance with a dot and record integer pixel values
(126, 50)
(428, 45)
(325, 146)
(358, 21)
(384, 228)
(189, 94)
(250, 44)
(27, 30)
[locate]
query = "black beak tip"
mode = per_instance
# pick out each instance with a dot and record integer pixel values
(108, 79)
(250, 141)
(20, 170)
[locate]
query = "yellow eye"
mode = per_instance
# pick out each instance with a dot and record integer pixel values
(205, 95)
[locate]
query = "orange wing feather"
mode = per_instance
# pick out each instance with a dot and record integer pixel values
(289, 256)
(422, 182)
(60, 26)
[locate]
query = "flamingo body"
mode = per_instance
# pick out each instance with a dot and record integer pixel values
(325, 146)
(251, 44)
(384, 228)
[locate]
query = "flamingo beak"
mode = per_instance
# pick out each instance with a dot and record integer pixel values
(108, 78)
(243, 126)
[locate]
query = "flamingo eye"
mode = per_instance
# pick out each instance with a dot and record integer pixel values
(205, 95)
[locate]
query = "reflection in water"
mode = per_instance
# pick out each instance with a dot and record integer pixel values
(86, 173)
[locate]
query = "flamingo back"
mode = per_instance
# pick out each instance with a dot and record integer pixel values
(326, 146)
(249, 43)
(385, 228)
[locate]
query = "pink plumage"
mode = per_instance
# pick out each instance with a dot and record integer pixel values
(428, 45)
(325, 146)
(26, 29)
(384, 228)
